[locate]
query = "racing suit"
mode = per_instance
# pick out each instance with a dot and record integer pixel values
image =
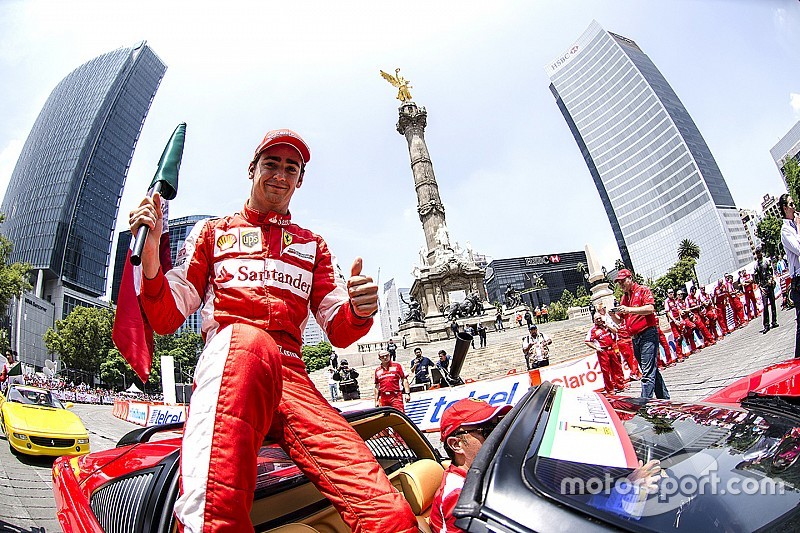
(257, 275)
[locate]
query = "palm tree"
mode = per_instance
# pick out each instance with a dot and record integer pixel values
(689, 250)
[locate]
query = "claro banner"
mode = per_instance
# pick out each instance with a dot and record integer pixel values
(425, 408)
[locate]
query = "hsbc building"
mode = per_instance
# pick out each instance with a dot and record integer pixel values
(559, 271)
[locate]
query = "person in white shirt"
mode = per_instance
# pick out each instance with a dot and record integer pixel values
(791, 243)
(536, 347)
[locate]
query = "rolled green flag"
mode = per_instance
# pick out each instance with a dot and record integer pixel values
(165, 182)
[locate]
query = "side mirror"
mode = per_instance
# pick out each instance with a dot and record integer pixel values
(69, 405)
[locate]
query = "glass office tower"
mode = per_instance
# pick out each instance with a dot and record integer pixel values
(655, 174)
(61, 203)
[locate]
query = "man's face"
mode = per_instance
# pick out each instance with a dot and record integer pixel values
(418, 353)
(384, 358)
(625, 283)
(442, 356)
(467, 442)
(275, 175)
(598, 321)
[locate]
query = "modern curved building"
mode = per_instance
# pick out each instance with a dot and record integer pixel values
(655, 174)
(62, 200)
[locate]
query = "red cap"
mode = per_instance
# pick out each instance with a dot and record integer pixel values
(622, 274)
(284, 137)
(468, 412)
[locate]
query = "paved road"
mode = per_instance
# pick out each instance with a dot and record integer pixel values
(26, 496)
(26, 487)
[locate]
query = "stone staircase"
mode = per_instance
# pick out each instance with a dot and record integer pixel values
(503, 352)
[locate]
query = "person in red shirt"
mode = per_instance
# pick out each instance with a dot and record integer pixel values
(675, 322)
(749, 289)
(735, 302)
(709, 313)
(602, 339)
(637, 310)
(391, 383)
(721, 303)
(465, 426)
(668, 359)
(687, 326)
(695, 315)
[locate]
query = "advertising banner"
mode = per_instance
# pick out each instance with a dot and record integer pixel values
(582, 373)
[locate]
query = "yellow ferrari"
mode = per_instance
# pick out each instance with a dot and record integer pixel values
(37, 423)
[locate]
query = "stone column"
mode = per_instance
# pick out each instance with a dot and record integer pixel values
(411, 124)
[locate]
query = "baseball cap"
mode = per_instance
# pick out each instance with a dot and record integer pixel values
(622, 274)
(469, 412)
(284, 136)
(533, 326)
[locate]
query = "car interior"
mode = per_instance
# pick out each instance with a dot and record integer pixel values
(413, 467)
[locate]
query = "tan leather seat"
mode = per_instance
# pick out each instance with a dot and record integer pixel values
(293, 528)
(419, 482)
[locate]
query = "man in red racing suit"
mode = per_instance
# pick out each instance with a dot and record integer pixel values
(257, 275)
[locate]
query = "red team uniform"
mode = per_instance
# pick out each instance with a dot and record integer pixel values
(625, 346)
(257, 276)
(604, 340)
(389, 382)
(676, 324)
(749, 287)
(720, 301)
(696, 315)
(736, 305)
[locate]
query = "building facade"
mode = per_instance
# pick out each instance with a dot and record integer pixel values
(769, 207)
(558, 271)
(750, 219)
(655, 174)
(787, 148)
(62, 199)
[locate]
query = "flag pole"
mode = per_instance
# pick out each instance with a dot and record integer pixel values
(141, 237)
(165, 182)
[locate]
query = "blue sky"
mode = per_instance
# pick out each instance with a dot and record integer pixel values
(510, 174)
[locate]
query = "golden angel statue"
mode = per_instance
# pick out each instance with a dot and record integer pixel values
(401, 83)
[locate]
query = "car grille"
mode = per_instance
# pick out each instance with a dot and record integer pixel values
(52, 443)
(118, 505)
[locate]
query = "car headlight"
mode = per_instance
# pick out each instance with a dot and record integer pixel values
(20, 436)
(83, 441)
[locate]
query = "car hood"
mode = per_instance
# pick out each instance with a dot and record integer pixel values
(780, 379)
(48, 420)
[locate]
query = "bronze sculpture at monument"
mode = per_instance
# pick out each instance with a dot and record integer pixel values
(402, 84)
(414, 310)
(512, 297)
(447, 277)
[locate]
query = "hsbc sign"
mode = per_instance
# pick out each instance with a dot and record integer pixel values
(542, 260)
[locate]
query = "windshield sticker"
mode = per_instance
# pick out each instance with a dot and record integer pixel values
(583, 428)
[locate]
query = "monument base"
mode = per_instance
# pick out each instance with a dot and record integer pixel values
(413, 333)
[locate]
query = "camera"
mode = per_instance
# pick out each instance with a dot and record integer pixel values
(616, 309)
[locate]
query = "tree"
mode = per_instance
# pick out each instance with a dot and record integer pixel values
(184, 349)
(13, 278)
(676, 277)
(619, 265)
(791, 171)
(769, 231)
(82, 339)
(115, 371)
(689, 250)
(566, 299)
(317, 356)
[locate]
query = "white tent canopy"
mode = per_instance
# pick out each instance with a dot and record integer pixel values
(133, 389)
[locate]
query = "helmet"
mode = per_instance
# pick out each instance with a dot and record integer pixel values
(343, 362)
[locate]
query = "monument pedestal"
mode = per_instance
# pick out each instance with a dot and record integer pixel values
(413, 333)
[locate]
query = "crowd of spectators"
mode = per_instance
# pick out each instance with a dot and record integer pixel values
(68, 390)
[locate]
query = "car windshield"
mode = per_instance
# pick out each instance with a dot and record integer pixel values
(726, 469)
(33, 397)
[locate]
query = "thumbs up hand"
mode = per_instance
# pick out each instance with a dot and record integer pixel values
(362, 290)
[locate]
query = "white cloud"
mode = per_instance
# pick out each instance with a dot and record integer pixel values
(794, 101)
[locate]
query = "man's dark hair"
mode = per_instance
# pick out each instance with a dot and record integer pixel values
(783, 201)
(417, 350)
(442, 352)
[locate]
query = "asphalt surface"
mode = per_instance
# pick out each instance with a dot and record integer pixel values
(26, 487)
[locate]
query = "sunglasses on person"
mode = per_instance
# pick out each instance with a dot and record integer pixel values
(483, 431)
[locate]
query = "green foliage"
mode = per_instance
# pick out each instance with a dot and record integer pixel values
(675, 278)
(556, 311)
(115, 371)
(184, 349)
(83, 339)
(566, 299)
(317, 356)
(769, 231)
(580, 292)
(689, 250)
(13, 278)
(619, 265)
(582, 301)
